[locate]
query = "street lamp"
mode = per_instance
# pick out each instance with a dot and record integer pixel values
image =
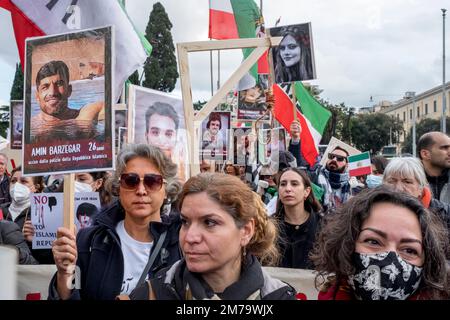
(444, 111)
(412, 95)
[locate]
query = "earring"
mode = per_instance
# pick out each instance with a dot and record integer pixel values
(244, 252)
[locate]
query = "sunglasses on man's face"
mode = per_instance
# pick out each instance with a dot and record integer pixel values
(338, 158)
(130, 181)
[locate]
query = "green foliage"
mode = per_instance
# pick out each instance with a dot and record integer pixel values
(161, 67)
(198, 105)
(424, 126)
(17, 87)
(336, 125)
(134, 78)
(370, 132)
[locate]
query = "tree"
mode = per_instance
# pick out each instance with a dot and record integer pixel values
(134, 78)
(4, 120)
(336, 125)
(370, 132)
(161, 67)
(424, 126)
(17, 87)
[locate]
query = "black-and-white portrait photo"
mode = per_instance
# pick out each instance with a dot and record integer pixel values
(293, 58)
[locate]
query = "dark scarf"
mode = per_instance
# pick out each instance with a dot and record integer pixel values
(192, 286)
(337, 180)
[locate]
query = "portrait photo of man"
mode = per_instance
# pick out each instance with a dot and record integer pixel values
(53, 90)
(68, 102)
(215, 130)
(159, 121)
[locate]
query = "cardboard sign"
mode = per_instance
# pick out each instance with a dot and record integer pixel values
(46, 217)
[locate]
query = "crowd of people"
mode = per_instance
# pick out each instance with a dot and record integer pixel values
(384, 237)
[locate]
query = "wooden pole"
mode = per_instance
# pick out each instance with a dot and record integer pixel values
(69, 201)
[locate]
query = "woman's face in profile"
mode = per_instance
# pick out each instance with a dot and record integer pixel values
(289, 51)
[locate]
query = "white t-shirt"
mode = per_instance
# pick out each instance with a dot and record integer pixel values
(135, 258)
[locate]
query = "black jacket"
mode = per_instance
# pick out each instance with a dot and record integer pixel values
(100, 257)
(178, 283)
(10, 234)
(296, 242)
(43, 256)
(4, 190)
(442, 209)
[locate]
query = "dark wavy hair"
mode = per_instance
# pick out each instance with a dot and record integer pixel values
(311, 204)
(214, 116)
(301, 70)
(335, 243)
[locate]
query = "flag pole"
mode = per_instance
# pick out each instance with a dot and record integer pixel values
(211, 70)
(218, 69)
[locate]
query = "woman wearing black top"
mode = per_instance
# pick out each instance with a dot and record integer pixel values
(298, 219)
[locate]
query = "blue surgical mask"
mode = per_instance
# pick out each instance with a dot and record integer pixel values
(374, 181)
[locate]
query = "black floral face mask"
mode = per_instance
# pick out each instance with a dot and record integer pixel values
(384, 276)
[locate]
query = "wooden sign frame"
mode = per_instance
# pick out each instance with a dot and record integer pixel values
(194, 120)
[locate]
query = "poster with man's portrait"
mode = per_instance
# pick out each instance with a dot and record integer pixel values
(214, 136)
(244, 146)
(252, 101)
(16, 125)
(270, 143)
(293, 59)
(158, 119)
(68, 95)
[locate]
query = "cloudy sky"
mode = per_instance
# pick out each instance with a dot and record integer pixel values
(363, 48)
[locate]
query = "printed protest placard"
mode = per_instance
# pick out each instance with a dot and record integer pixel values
(293, 59)
(214, 138)
(87, 207)
(158, 119)
(46, 217)
(68, 94)
(16, 126)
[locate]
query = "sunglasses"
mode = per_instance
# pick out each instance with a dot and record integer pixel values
(130, 181)
(338, 158)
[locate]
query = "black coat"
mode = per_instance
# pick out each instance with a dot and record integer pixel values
(4, 190)
(100, 257)
(10, 234)
(296, 242)
(43, 256)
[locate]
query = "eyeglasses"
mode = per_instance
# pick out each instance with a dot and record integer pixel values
(338, 158)
(130, 181)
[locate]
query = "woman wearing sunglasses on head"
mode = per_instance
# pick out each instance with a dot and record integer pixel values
(130, 240)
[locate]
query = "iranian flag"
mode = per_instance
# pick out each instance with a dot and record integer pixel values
(359, 164)
(47, 17)
(233, 19)
(313, 117)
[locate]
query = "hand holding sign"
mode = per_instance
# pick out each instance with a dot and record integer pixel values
(64, 250)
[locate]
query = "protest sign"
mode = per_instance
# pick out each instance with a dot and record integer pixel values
(293, 59)
(68, 114)
(158, 119)
(87, 207)
(214, 138)
(16, 124)
(46, 216)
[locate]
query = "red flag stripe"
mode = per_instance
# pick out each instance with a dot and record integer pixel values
(222, 25)
(23, 27)
(284, 113)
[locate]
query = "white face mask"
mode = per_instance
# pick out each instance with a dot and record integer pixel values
(82, 187)
(19, 193)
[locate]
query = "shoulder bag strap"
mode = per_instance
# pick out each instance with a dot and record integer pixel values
(152, 258)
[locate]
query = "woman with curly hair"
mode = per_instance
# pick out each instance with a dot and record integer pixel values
(382, 245)
(225, 237)
(293, 60)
